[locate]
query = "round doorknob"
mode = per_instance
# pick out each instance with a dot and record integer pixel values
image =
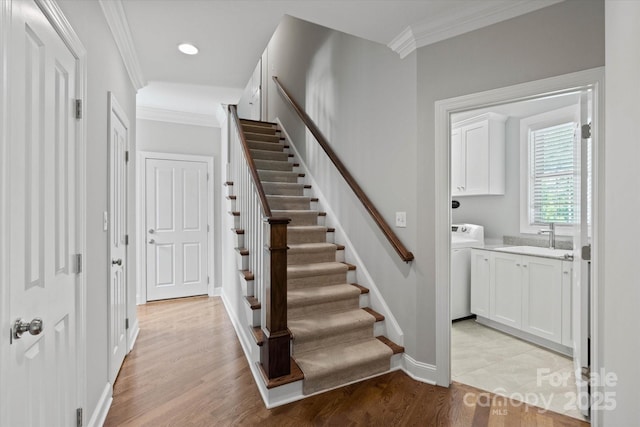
(116, 261)
(21, 326)
(151, 241)
(151, 231)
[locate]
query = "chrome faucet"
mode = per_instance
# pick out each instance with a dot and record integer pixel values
(552, 235)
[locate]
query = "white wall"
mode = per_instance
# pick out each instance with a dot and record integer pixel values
(500, 215)
(556, 40)
(177, 138)
(621, 206)
(105, 72)
(362, 96)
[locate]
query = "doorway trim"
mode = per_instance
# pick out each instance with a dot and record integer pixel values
(592, 79)
(141, 209)
(61, 25)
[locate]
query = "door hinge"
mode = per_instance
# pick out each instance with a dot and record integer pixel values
(586, 131)
(208, 281)
(207, 176)
(208, 229)
(79, 417)
(126, 323)
(586, 253)
(126, 156)
(126, 239)
(77, 261)
(78, 107)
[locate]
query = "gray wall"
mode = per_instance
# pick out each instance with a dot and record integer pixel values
(362, 96)
(105, 72)
(560, 39)
(178, 138)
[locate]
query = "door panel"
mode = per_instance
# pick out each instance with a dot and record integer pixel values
(177, 236)
(118, 146)
(41, 222)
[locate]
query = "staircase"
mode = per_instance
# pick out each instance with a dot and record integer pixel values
(333, 339)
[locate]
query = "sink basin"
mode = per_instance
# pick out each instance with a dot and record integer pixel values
(538, 251)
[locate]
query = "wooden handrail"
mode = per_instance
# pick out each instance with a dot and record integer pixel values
(404, 253)
(252, 165)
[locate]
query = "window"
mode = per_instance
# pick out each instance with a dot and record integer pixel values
(548, 169)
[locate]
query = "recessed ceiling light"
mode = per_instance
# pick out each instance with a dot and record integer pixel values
(187, 49)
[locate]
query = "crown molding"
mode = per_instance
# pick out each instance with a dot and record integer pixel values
(470, 18)
(172, 116)
(117, 20)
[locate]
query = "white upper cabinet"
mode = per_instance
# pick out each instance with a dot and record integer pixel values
(478, 156)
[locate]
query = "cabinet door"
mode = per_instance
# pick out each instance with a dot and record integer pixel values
(567, 297)
(475, 140)
(480, 277)
(542, 297)
(506, 289)
(457, 163)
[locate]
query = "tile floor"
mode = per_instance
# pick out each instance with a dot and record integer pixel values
(491, 360)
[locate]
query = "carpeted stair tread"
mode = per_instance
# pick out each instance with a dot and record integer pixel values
(283, 176)
(269, 155)
(268, 146)
(311, 253)
(298, 234)
(283, 188)
(307, 270)
(323, 325)
(321, 294)
(298, 216)
(273, 165)
(314, 332)
(339, 364)
(278, 202)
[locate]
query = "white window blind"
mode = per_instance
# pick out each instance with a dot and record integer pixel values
(552, 189)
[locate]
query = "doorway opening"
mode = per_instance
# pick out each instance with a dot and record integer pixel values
(520, 162)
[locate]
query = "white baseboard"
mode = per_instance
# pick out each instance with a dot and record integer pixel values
(216, 292)
(133, 334)
(99, 415)
(419, 371)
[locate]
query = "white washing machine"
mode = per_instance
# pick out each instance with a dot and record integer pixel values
(463, 238)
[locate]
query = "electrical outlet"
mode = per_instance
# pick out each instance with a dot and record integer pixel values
(401, 219)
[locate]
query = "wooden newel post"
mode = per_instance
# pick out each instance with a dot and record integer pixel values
(276, 351)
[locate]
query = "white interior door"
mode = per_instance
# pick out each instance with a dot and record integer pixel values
(118, 148)
(177, 228)
(41, 161)
(582, 264)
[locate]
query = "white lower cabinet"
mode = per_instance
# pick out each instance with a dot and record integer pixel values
(480, 279)
(542, 297)
(506, 289)
(529, 293)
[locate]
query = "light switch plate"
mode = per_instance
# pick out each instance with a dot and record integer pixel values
(401, 219)
(105, 221)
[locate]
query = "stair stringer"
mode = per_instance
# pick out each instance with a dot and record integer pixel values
(391, 327)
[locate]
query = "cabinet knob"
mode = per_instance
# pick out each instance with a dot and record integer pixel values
(525, 265)
(517, 265)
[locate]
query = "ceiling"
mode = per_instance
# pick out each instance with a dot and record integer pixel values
(232, 34)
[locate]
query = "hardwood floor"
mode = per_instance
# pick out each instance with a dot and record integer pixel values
(188, 369)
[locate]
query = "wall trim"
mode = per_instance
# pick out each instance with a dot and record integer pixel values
(134, 331)
(117, 20)
(173, 116)
(141, 237)
(592, 79)
(101, 410)
(419, 371)
(470, 18)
